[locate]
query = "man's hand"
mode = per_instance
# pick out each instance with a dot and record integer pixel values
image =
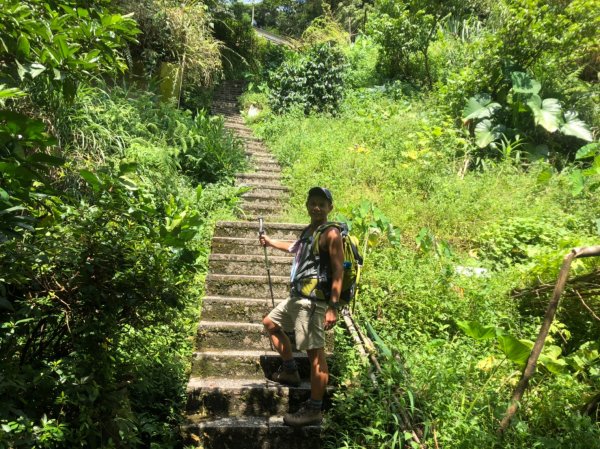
(264, 240)
(330, 318)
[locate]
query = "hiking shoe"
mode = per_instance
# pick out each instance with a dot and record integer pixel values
(286, 377)
(305, 416)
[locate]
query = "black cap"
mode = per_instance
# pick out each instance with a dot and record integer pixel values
(321, 191)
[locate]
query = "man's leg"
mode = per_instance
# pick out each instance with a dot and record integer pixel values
(319, 373)
(281, 342)
(310, 412)
(288, 372)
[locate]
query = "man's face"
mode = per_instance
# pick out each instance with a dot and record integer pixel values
(318, 207)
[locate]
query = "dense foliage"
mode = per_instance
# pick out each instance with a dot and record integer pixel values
(106, 201)
(468, 173)
(311, 81)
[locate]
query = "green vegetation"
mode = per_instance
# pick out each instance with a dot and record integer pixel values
(107, 197)
(465, 155)
(460, 140)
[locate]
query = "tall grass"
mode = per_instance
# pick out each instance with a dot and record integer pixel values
(402, 154)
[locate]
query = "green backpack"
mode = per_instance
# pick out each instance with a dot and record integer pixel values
(313, 281)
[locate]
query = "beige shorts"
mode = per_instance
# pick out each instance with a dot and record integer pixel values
(305, 318)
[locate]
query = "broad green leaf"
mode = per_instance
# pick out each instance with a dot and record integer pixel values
(573, 126)
(546, 113)
(476, 330)
(478, 107)
(91, 178)
(554, 366)
(524, 84)
(545, 176)
(588, 150)
(4, 195)
(486, 132)
(537, 152)
(515, 350)
(33, 70)
(577, 182)
(23, 47)
(552, 351)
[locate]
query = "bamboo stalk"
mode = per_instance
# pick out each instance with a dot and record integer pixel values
(529, 370)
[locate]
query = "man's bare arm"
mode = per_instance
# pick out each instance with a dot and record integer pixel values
(281, 245)
(336, 259)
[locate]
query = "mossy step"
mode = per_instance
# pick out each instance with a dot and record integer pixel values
(250, 246)
(228, 308)
(265, 167)
(265, 189)
(241, 229)
(219, 335)
(249, 264)
(250, 432)
(218, 397)
(265, 208)
(252, 218)
(267, 178)
(251, 154)
(242, 285)
(264, 159)
(237, 364)
(254, 196)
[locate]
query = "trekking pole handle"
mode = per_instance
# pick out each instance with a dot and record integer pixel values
(261, 229)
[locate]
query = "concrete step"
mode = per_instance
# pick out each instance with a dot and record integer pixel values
(250, 432)
(243, 285)
(266, 189)
(241, 363)
(250, 246)
(253, 218)
(258, 154)
(225, 101)
(266, 158)
(262, 209)
(238, 126)
(255, 196)
(264, 167)
(218, 397)
(269, 178)
(240, 120)
(278, 231)
(245, 264)
(227, 308)
(256, 144)
(220, 335)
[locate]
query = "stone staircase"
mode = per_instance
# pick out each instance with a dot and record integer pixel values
(231, 404)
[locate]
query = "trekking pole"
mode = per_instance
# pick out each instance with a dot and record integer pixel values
(261, 231)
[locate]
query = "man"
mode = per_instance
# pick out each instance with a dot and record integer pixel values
(308, 314)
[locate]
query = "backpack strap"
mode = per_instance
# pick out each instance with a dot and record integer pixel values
(342, 227)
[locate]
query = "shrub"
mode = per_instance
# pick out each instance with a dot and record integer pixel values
(311, 81)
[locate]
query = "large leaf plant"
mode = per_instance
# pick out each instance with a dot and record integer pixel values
(521, 117)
